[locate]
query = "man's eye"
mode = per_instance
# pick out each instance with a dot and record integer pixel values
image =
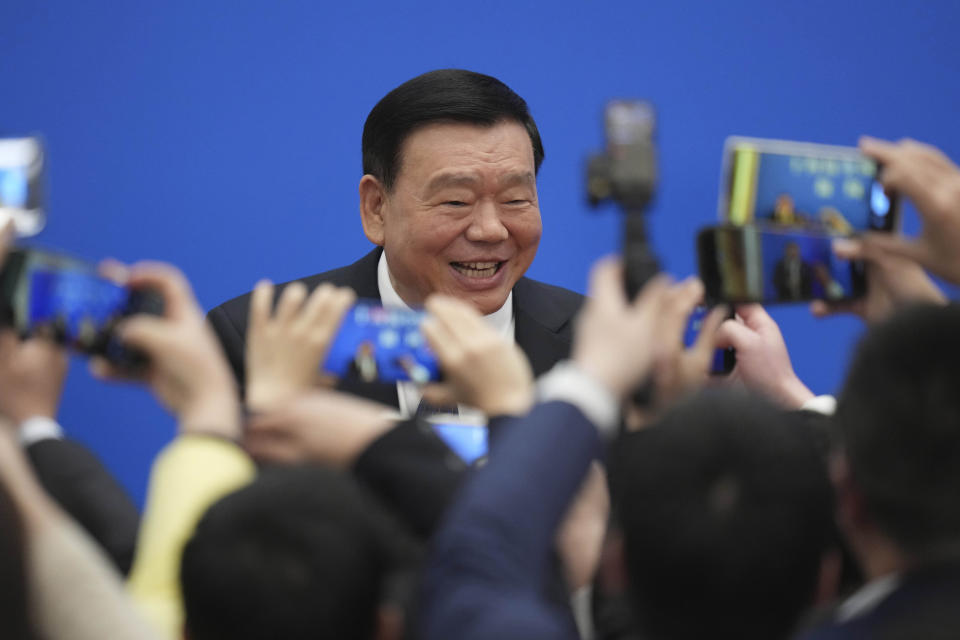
(455, 203)
(518, 202)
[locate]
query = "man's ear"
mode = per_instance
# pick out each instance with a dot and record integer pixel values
(373, 200)
(389, 622)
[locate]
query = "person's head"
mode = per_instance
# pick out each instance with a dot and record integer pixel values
(299, 553)
(726, 510)
(14, 619)
(898, 430)
(450, 160)
(791, 251)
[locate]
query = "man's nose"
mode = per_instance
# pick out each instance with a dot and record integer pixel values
(485, 225)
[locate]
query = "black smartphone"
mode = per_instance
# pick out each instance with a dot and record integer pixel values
(724, 360)
(380, 344)
(753, 264)
(801, 186)
(56, 296)
(22, 184)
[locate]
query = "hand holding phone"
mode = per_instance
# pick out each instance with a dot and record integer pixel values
(64, 299)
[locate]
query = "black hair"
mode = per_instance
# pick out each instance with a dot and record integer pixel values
(302, 552)
(14, 616)
(444, 95)
(727, 511)
(898, 422)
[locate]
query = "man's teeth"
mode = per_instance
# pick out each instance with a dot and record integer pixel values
(476, 269)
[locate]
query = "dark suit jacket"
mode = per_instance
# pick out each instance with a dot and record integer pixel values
(491, 563)
(543, 317)
(925, 606)
(83, 487)
(781, 281)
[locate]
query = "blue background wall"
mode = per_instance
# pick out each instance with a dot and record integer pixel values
(224, 136)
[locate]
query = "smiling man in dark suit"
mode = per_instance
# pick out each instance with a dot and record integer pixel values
(449, 197)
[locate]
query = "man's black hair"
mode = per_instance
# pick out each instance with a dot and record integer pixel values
(14, 618)
(727, 510)
(445, 95)
(300, 553)
(898, 421)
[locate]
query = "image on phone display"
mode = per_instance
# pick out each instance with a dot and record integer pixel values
(375, 343)
(803, 187)
(22, 184)
(748, 264)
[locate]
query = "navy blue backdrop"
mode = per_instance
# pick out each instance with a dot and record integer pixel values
(224, 136)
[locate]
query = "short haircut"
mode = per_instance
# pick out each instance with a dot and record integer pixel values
(300, 553)
(898, 422)
(14, 618)
(445, 95)
(727, 510)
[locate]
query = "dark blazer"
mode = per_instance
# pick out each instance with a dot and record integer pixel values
(543, 317)
(925, 606)
(491, 563)
(83, 487)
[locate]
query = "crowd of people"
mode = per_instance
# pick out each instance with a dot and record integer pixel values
(293, 506)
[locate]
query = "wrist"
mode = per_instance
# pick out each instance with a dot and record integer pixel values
(215, 412)
(793, 393)
(263, 396)
(509, 404)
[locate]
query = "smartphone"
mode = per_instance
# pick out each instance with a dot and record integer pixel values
(803, 187)
(724, 360)
(22, 185)
(380, 344)
(56, 296)
(753, 264)
(468, 441)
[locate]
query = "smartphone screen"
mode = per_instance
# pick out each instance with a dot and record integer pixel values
(749, 264)
(22, 184)
(724, 360)
(468, 441)
(803, 187)
(377, 344)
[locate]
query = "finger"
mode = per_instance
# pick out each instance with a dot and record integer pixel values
(443, 344)
(706, 340)
(316, 303)
(260, 302)
(291, 299)
(883, 151)
(896, 245)
(327, 318)
(755, 316)
(272, 449)
(824, 309)
(606, 282)
(653, 295)
(147, 333)
(439, 395)
(735, 334)
(460, 321)
(101, 369)
(114, 270)
(169, 282)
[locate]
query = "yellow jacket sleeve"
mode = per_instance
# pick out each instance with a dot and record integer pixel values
(188, 476)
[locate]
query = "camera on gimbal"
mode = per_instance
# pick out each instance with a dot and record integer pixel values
(626, 173)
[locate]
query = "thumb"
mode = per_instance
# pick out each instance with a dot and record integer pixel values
(147, 333)
(895, 244)
(733, 333)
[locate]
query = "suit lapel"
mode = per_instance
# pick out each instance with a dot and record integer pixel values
(542, 329)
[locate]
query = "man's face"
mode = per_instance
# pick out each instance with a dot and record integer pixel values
(462, 218)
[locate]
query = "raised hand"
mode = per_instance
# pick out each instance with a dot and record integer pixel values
(187, 370)
(483, 369)
(763, 363)
(928, 177)
(892, 282)
(286, 347)
(615, 339)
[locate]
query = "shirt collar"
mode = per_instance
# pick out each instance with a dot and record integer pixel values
(501, 319)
